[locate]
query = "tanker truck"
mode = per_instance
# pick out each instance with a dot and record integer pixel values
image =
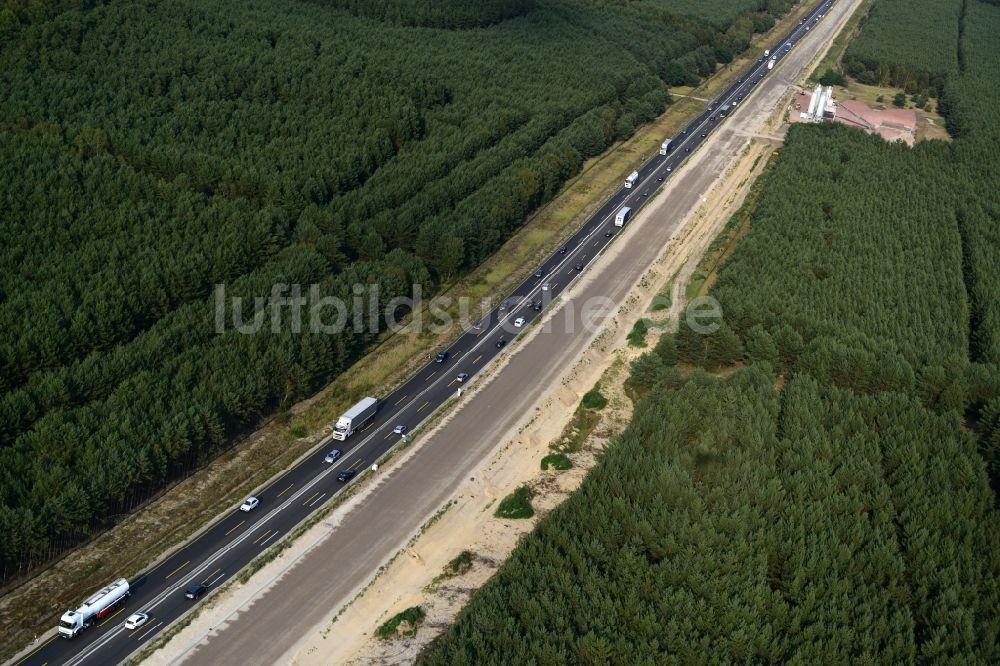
(98, 606)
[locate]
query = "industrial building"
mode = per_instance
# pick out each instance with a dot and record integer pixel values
(819, 106)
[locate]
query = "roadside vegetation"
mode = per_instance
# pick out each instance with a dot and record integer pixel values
(557, 461)
(827, 459)
(401, 625)
(128, 197)
(517, 505)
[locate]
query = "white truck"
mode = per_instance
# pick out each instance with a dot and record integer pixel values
(99, 605)
(770, 63)
(665, 147)
(632, 179)
(622, 217)
(354, 418)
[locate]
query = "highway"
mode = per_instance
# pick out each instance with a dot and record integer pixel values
(237, 538)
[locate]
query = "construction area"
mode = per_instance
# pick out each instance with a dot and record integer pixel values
(819, 106)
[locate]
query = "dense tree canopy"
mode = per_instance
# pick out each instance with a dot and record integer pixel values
(155, 149)
(829, 503)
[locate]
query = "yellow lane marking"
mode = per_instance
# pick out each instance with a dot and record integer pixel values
(144, 627)
(477, 359)
(236, 527)
(400, 400)
(311, 498)
(366, 427)
(178, 569)
(257, 540)
(286, 489)
(111, 617)
(430, 375)
(209, 576)
(423, 405)
(28, 656)
(452, 382)
(387, 435)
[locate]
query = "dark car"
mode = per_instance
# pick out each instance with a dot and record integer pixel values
(578, 266)
(540, 273)
(536, 306)
(441, 357)
(609, 233)
(500, 343)
(346, 475)
(711, 118)
(687, 150)
(703, 135)
(195, 591)
(562, 250)
(659, 179)
(684, 131)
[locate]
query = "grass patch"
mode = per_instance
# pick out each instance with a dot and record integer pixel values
(594, 399)
(637, 336)
(402, 625)
(517, 504)
(557, 461)
(298, 431)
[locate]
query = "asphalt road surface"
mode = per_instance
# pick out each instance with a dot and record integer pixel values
(346, 558)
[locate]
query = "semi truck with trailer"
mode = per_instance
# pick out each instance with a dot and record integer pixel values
(97, 606)
(632, 179)
(665, 147)
(622, 217)
(354, 418)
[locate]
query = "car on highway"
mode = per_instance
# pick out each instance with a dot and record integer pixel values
(519, 322)
(562, 250)
(195, 591)
(462, 376)
(250, 504)
(332, 456)
(441, 357)
(578, 265)
(669, 169)
(712, 118)
(687, 150)
(646, 193)
(609, 233)
(540, 272)
(536, 306)
(136, 620)
(500, 343)
(684, 131)
(400, 429)
(546, 286)
(659, 179)
(704, 134)
(504, 305)
(347, 475)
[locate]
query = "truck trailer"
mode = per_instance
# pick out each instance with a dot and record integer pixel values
(632, 179)
(665, 147)
(622, 217)
(354, 418)
(98, 606)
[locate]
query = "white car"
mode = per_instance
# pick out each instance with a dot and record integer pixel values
(250, 504)
(519, 322)
(136, 620)
(546, 286)
(400, 429)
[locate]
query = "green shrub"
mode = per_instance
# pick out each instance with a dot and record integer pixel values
(637, 336)
(517, 504)
(556, 461)
(594, 399)
(413, 616)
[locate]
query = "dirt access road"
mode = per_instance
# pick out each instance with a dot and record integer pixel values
(265, 624)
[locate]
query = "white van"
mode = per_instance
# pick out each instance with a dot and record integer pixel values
(622, 217)
(632, 179)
